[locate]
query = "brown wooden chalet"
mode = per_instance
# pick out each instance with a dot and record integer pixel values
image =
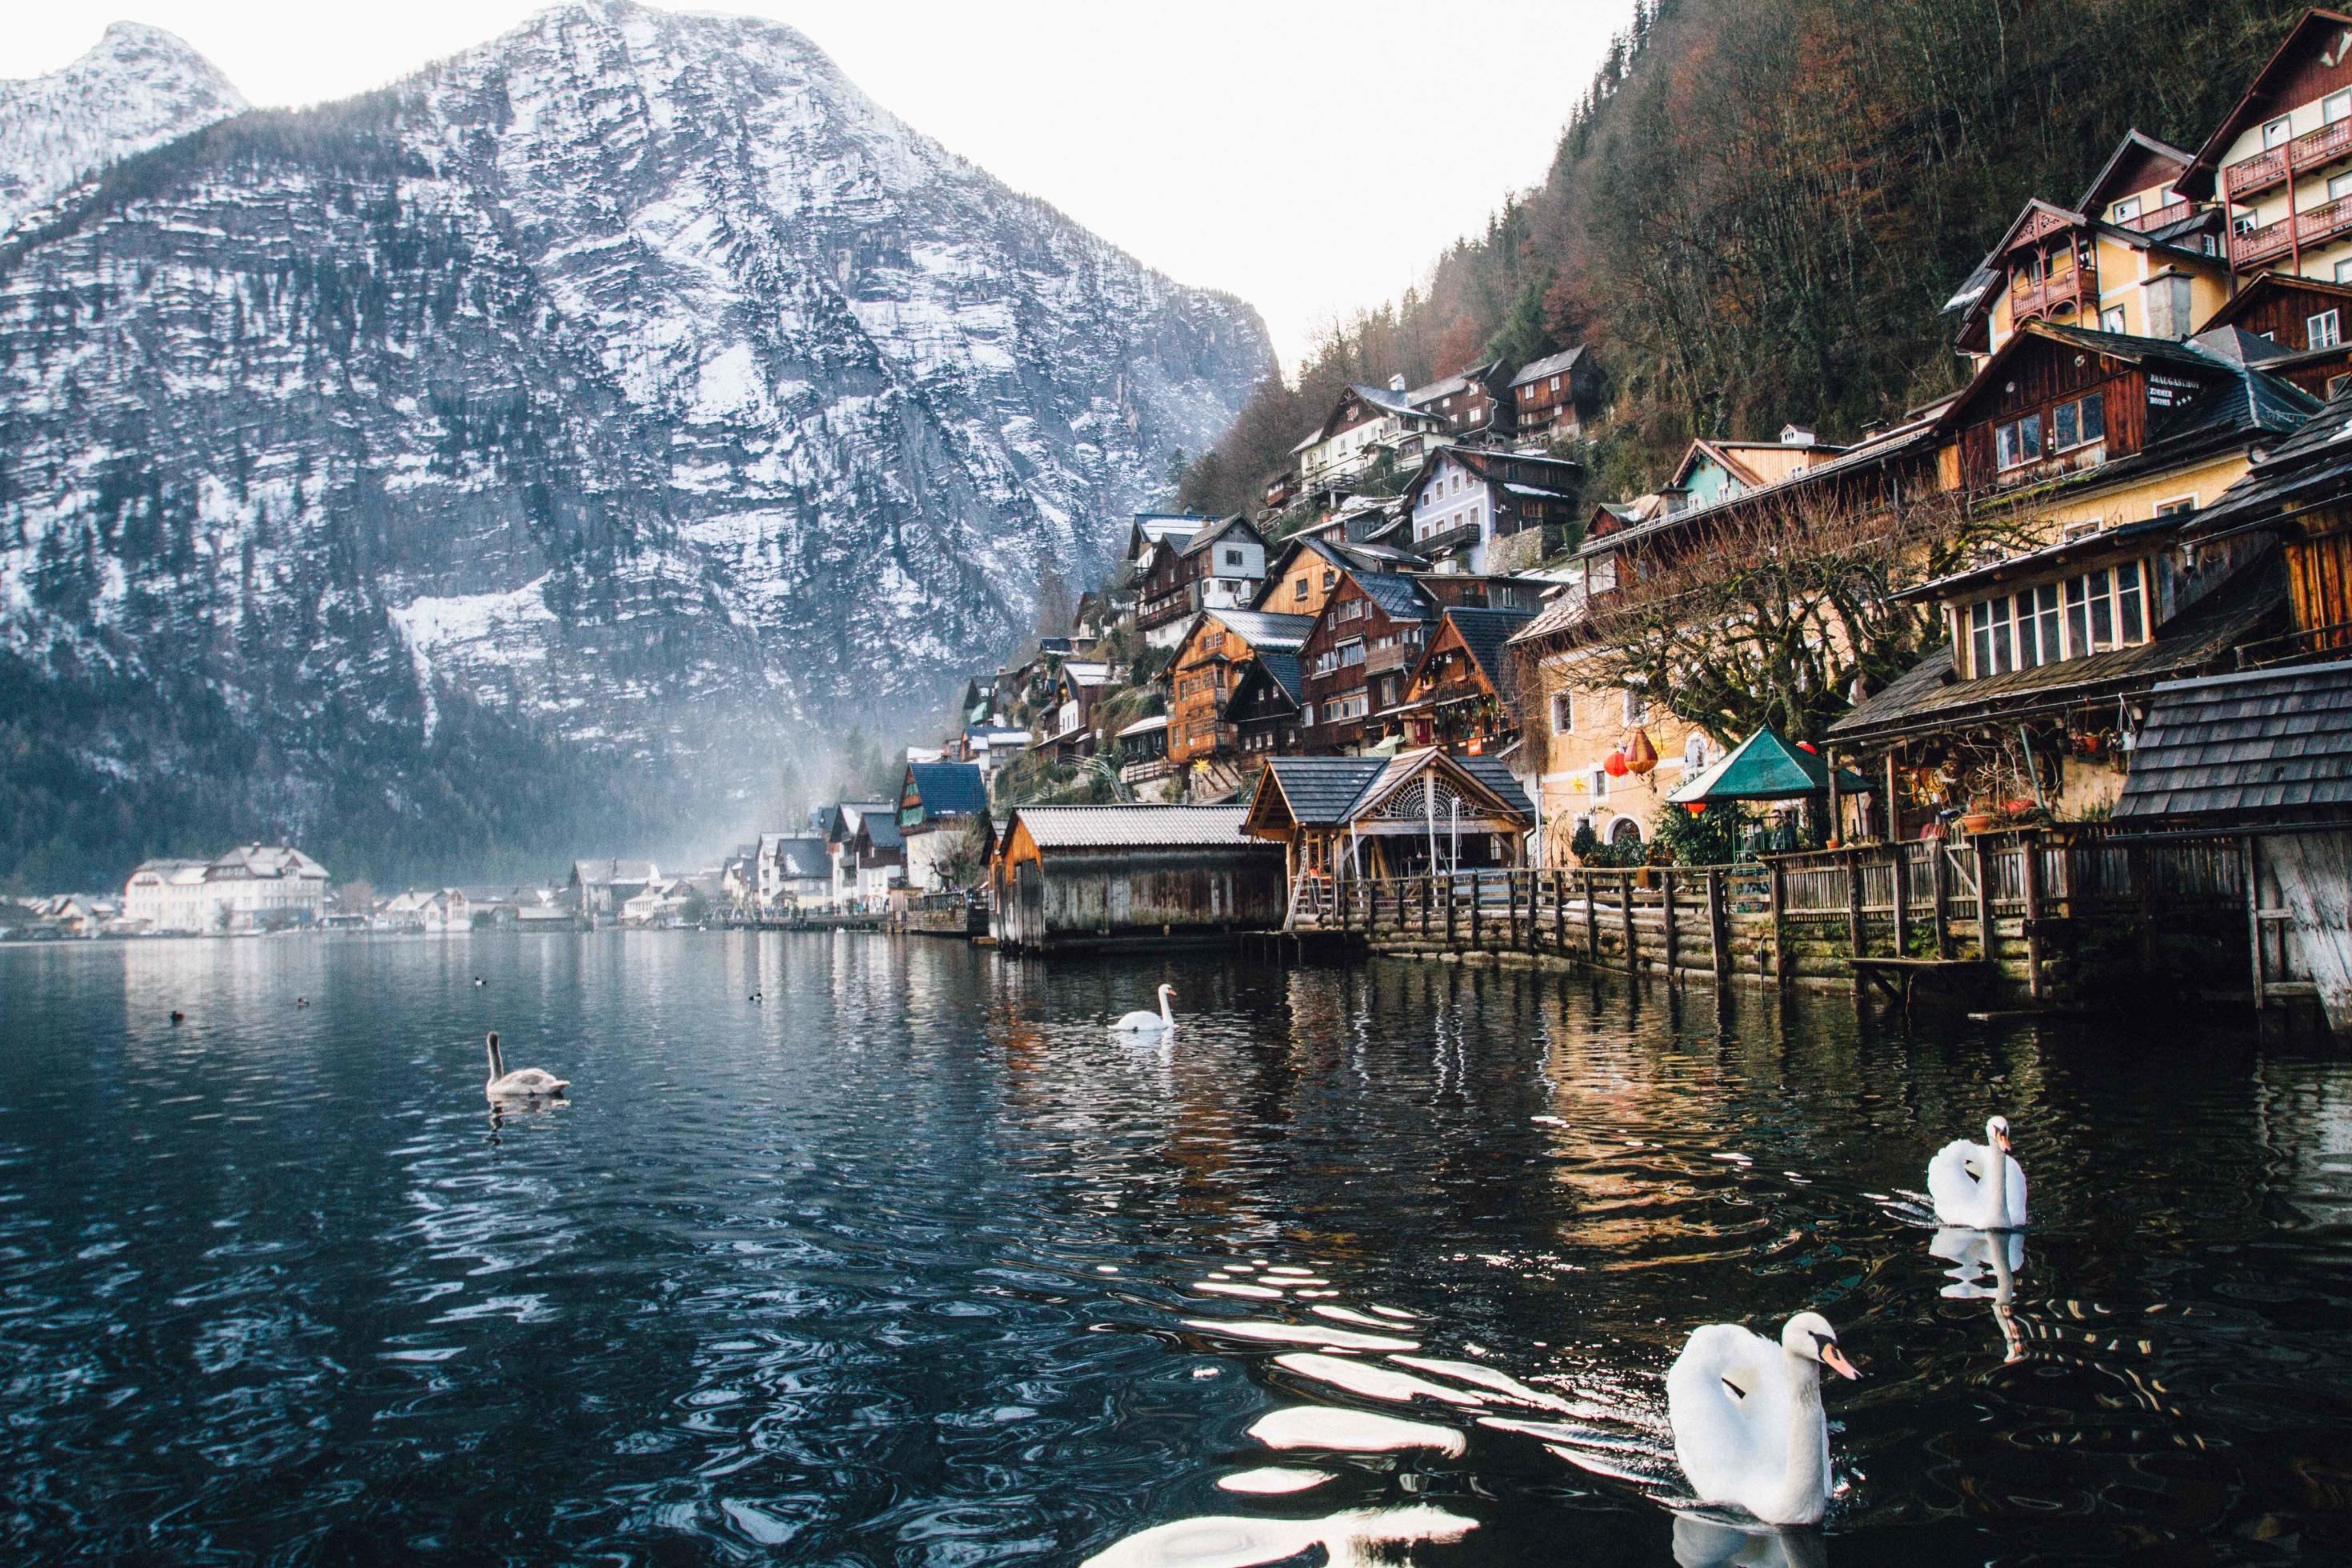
(1471, 402)
(1548, 396)
(1264, 709)
(2309, 319)
(1220, 645)
(1361, 651)
(1470, 507)
(1308, 570)
(1461, 696)
(2300, 494)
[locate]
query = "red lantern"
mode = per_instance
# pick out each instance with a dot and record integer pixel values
(1614, 764)
(1693, 806)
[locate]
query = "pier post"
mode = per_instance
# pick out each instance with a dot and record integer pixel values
(1477, 903)
(1591, 921)
(1625, 918)
(1666, 909)
(2030, 845)
(1902, 897)
(1939, 885)
(1719, 959)
(1559, 911)
(1854, 939)
(1428, 887)
(1781, 973)
(1987, 939)
(1452, 884)
(2252, 873)
(1511, 897)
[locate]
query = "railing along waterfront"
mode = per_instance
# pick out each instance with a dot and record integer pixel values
(1990, 897)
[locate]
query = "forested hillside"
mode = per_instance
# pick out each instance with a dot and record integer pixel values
(1758, 207)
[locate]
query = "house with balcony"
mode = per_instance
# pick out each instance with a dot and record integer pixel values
(1358, 657)
(1475, 402)
(1462, 695)
(1220, 645)
(1150, 528)
(1069, 711)
(1481, 511)
(2304, 319)
(1140, 749)
(1549, 397)
(2132, 255)
(837, 824)
(2280, 164)
(1219, 566)
(2299, 496)
(1371, 430)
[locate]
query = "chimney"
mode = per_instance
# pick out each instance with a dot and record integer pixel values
(1396, 384)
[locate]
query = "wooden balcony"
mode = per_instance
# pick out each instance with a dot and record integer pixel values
(1399, 655)
(2164, 216)
(2317, 227)
(2077, 291)
(2260, 172)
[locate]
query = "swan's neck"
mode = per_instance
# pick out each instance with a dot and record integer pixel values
(498, 1063)
(1809, 1439)
(1996, 1182)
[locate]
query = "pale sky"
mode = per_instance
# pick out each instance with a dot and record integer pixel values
(1313, 158)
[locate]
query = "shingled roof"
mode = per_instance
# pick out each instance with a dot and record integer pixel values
(1136, 826)
(2272, 744)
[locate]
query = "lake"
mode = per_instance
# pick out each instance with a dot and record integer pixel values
(912, 1262)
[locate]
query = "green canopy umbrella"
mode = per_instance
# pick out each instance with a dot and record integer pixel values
(1764, 767)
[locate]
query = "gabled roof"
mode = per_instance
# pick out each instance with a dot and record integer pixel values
(1718, 453)
(946, 789)
(1137, 828)
(1763, 767)
(1549, 365)
(1329, 792)
(1281, 670)
(1483, 633)
(2255, 104)
(802, 859)
(2257, 291)
(1486, 463)
(2135, 145)
(2266, 744)
(840, 819)
(1562, 612)
(1214, 532)
(2314, 465)
(879, 829)
(2266, 403)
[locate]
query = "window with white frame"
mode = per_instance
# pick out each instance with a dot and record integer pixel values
(2094, 612)
(2175, 506)
(1233, 557)
(2339, 187)
(1601, 784)
(1563, 712)
(2111, 320)
(2344, 272)
(2125, 210)
(2276, 132)
(2336, 105)
(2323, 331)
(1637, 707)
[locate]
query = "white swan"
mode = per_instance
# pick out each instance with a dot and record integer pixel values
(523, 1083)
(1746, 1414)
(1979, 1186)
(1142, 1022)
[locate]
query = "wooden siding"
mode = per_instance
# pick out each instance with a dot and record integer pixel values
(1070, 898)
(2043, 380)
(2319, 587)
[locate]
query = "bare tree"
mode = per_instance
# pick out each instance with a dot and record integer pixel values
(1773, 615)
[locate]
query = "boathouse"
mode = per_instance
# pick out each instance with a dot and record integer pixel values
(1078, 876)
(1390, 817)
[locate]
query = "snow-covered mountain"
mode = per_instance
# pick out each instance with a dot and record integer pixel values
(547, 448)
(137, 89)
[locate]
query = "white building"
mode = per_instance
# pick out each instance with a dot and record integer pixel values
(248, 889)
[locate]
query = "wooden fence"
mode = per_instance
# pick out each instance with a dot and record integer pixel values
(1991, 897)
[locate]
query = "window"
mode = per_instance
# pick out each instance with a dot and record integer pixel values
(2125, 210)
(1637, 707)
(1555, 383)
(1233, 558)
(2323, 331)
(1601, 784)
(2241, 223)
(2111, 320)
(1352, 652)
(2344, 272)
(1990, 650)
(2276, 132)
(2096, 612)
(2019, 441)
(1331, 580)
(2037, 627)
(1299, 588)
(2339, 187)
(2079, 423)
(1563, 712)
(2335, 107)
(2175, 506)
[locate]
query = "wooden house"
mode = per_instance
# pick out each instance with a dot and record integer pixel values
(1475, 510)
(2299, 494)
(1475, 401)
(1390, 816)
(1549, 396)
(1461, 694)
(1359, 654)
(1264, 708)
(2279, 160)
(1218, 646)
(1089, 876)
(877, 857)
(1308, 569)
(2308, 320)
(1141, 751)
(1218, 567)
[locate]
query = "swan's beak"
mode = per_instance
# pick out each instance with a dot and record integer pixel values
(2004, 1143)
(1834, 1359)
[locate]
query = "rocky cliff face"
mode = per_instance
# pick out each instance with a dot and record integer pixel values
(540, 453)
(140, 88)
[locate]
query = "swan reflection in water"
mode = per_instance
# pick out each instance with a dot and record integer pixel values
(520, 1110)
(1357, 1537)
(1714, 1543)
(1985, 1266)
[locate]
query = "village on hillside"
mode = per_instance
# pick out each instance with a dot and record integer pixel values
(2099, 595)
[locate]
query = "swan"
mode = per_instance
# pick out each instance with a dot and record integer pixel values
(1747, 1416)
(1979, 1186)
(523, 1083)
(1142, 1022)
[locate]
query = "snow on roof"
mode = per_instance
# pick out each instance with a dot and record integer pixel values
(1139, 827)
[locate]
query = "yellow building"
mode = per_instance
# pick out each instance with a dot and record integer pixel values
(2281, 162)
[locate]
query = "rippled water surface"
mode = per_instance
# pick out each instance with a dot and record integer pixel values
(916, 1263)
